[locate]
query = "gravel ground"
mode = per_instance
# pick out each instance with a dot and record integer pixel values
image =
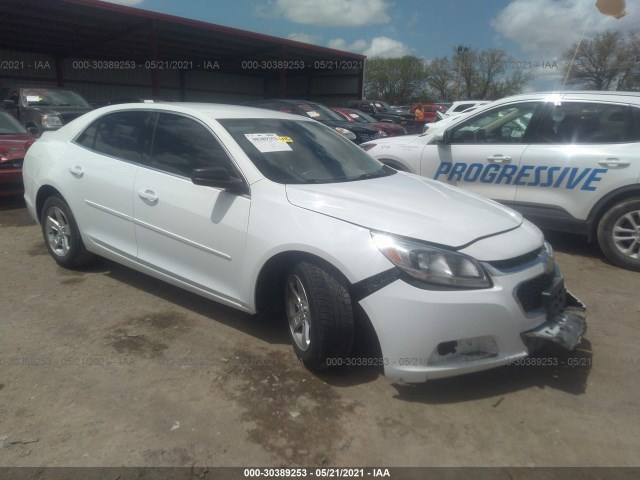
(109, 367)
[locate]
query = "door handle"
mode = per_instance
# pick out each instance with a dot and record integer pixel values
(149, 196)
(499, 159)
(76, 171)
(614, 163)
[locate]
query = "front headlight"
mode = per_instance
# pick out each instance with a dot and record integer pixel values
(346, 133)
(382, 134)
(51, 121)
(432, 265)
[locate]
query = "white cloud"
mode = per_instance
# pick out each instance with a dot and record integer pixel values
(127, 3)
(305, 38)
(328, 13)
(386, 47)
(549, 27)
(339, 44)
(377, 47)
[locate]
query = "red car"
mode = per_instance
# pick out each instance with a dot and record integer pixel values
(14, 143)
(386, 129)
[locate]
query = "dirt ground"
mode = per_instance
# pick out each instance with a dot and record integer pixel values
(109, 367)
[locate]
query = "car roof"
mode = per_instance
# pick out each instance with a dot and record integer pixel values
(211, 110)
(284, 100)
(615, 96)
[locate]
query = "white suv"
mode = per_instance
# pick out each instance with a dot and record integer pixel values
(568, 161)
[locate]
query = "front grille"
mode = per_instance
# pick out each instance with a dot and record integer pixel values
(530, 292)
(17, 163)
(516, 262)
(365, 137)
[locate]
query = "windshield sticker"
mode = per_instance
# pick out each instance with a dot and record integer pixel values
(285, 139)
(269, 142)
(313, 114)
(34, 98)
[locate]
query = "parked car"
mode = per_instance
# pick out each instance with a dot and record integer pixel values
(356, 132)
(41, 108)
(383, 111)
(14, 143)
(386, 129)
(443, 122)
(276, 213)
(568, 161)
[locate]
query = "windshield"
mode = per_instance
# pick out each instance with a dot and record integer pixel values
(52, 97)
(289, 151)
(361, 117)
(319, 112)
(9, 125)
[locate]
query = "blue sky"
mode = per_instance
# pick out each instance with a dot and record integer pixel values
(533, 32)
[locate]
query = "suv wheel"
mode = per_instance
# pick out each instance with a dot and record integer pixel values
(619, 234)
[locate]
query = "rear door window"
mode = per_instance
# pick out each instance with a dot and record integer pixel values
(584, 123)
(123, 135)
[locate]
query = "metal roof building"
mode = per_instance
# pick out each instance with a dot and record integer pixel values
(107, 51)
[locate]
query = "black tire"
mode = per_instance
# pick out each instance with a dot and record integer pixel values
(71, 252)
(329, 317)
(623, 215)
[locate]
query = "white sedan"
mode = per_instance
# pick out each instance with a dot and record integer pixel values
(269, 212)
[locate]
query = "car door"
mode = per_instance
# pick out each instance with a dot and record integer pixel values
(482, 153)
(195, 234)
(102, 166)
(579, 152)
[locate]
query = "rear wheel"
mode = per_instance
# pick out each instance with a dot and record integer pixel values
(619, 234)
(320, 316)
(61, 234)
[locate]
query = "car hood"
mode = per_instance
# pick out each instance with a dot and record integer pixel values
(353, 126)
(410, 206)
(58, 110)
(402, 140)
(387, 127)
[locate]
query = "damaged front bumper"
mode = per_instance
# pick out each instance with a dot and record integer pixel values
(566, 324)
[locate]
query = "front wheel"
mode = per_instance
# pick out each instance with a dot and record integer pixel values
(320, 315)
(61, 234)
(619, 234)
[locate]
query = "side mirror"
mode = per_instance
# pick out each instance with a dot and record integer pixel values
(439, 136)
(217, 177)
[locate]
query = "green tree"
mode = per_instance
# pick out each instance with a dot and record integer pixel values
(608, 61)
(395, 80)
(468, 74)
(474, 75)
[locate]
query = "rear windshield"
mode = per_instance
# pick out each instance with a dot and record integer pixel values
(290, 151)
